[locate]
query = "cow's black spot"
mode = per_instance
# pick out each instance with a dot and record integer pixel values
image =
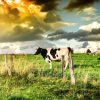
(38, 51)
(53, 52)
(41, 51)
(49, 61)
(57, 55)
(44, 53)
(47, 56)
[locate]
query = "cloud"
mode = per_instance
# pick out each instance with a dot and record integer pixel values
(89, 14)
(27, 31)
(61, 24)
(47, 5)
(17, 25)
(27, 47)
(94, 44)
(91, 18)
(89, 27)
(19, 9)
(63, 43)
(89, 11)
(28, 35)
(85, 44)
(87, 18)
(80, 35)
(29, 28)
(67, 35)
(96, 17)
(24, 32)
(79, 4)
(52, 16)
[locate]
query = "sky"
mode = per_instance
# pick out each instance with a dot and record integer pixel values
(55, 22)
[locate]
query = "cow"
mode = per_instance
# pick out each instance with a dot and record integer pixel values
(88, 51)
(97, 52)
(56, 54)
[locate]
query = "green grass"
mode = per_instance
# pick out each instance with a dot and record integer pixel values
(33, 80)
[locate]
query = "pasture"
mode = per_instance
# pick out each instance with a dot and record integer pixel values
(33, 80)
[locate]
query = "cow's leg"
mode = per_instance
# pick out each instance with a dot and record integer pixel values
(66, 64)
(49, 61)
(66, 59)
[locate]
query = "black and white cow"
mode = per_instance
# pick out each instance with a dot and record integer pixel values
(57, 54)
(50, 54)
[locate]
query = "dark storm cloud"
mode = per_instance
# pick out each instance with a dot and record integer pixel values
(79, 4)
(16, 32)
(22, 34)
(80, 35)
(47, 5)
(14, 12)
(52, 16)
(33, 30)
(67, 35)
(11, 11)
(85, 44)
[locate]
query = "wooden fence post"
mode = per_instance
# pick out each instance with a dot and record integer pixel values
(11, 61)
(71, 69)
(62, 66)
(7, 65)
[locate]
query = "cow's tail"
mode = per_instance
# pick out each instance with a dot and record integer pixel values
(71, 68)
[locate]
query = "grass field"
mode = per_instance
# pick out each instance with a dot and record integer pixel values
(33, 80)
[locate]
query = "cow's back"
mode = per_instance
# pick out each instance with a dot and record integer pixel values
(62, 52)
(97, 52)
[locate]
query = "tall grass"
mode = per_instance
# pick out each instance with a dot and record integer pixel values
(33, 80)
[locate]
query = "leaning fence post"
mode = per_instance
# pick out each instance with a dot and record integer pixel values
(62, 66)
(6, 64)
(11, 61)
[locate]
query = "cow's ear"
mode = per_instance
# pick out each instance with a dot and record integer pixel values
(39, 48)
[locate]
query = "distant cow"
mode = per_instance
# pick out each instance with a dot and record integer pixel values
(97, 52)
(84, 50)
(88, 51)
(55, 54)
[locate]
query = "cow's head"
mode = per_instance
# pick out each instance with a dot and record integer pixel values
(38, 51)
(88, 51)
